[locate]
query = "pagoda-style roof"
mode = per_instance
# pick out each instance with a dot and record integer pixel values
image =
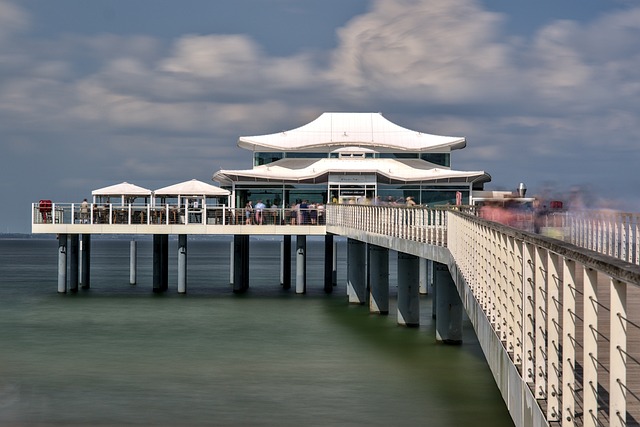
(367, 130)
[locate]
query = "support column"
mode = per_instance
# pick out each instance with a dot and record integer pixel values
(424, 280)
(356, 271)
(85, 261)
(328, 263)
(448, 307)
(285, 263)
(334, 272)
(160, 262)
(74, 256)
(379, 274)
(62, 263)
(301, 264)
(432, 278)
(231, 261)
(240, 263)
(408, 290)
(182, 263)
(133, 262)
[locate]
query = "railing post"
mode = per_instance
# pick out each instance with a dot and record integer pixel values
(541, 312)
(569, 317)
(528, 371)
(618, 354)
(590, 347)
(553, 368)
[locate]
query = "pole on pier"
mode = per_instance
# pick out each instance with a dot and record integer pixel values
(74, 256)
(240, 263)
(160, 262)
(301, 264)
(448, 307)
(85, 261)
(231, 260)
(285, 272)
(334, 269)
(62, 263)
(408, 290)
(356, 271)
(133, 262)
(182, 264)
(424, 281)
(379, 275)
(328, 263)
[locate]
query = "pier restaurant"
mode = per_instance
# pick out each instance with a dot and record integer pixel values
(351, 158)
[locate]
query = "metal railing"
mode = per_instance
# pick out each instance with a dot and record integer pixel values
(134, 214)
(616, 234)
(567, 317)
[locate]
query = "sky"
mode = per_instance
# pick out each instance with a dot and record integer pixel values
(156, 92)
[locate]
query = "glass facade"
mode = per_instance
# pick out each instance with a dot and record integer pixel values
(264, 158)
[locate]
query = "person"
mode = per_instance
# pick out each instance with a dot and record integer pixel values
(321, 219)
(259, 212)
(248, 211)
(303, 208)
(410, 201)
(84, 212)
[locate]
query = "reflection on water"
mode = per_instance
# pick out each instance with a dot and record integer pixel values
(120, 355)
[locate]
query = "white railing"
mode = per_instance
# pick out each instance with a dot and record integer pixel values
(564, 315)
(616, 234)
(424, 224)
(136, 214)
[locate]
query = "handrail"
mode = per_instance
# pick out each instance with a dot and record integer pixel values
(167, 214)
(543, 291)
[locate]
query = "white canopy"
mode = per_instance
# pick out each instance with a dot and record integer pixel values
(334, 130)
(123, 188)
(192, 188)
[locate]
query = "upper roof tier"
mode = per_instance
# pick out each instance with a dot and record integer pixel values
(335, 130)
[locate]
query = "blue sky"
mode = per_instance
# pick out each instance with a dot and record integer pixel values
(155, 92)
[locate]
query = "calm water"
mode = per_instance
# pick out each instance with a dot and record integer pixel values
(119, 355)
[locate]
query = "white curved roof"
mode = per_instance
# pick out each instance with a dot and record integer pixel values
(334, 130)
(122, 189)
(316, 170)
(192, 188)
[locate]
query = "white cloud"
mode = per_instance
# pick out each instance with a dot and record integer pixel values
(12, 19)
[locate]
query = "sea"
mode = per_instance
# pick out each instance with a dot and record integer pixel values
(119, 355)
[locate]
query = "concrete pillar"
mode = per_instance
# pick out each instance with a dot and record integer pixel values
(334, 272)
(424, 284)
(182, 263)
(356, 271)
(379, 275)
(160, 262)
(432, 275)
(448, 307)
(74, 257)
(285, 262)
(240, 263)
(328, 263)
(408, 290)
(133, 262)
(62, 263)
(85, 261)
(231, 260)
(301, 264)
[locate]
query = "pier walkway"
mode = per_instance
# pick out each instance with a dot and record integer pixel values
(558, 319)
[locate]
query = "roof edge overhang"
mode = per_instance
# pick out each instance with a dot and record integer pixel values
(329, 146)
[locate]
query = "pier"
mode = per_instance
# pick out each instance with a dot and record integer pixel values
(557, 318)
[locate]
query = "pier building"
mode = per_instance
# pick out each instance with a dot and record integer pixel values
(351, 157)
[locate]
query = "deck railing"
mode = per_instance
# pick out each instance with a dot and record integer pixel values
(568, 318)
(136, 214)
(616, 234)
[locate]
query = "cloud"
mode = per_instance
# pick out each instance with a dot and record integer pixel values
(13, 20)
